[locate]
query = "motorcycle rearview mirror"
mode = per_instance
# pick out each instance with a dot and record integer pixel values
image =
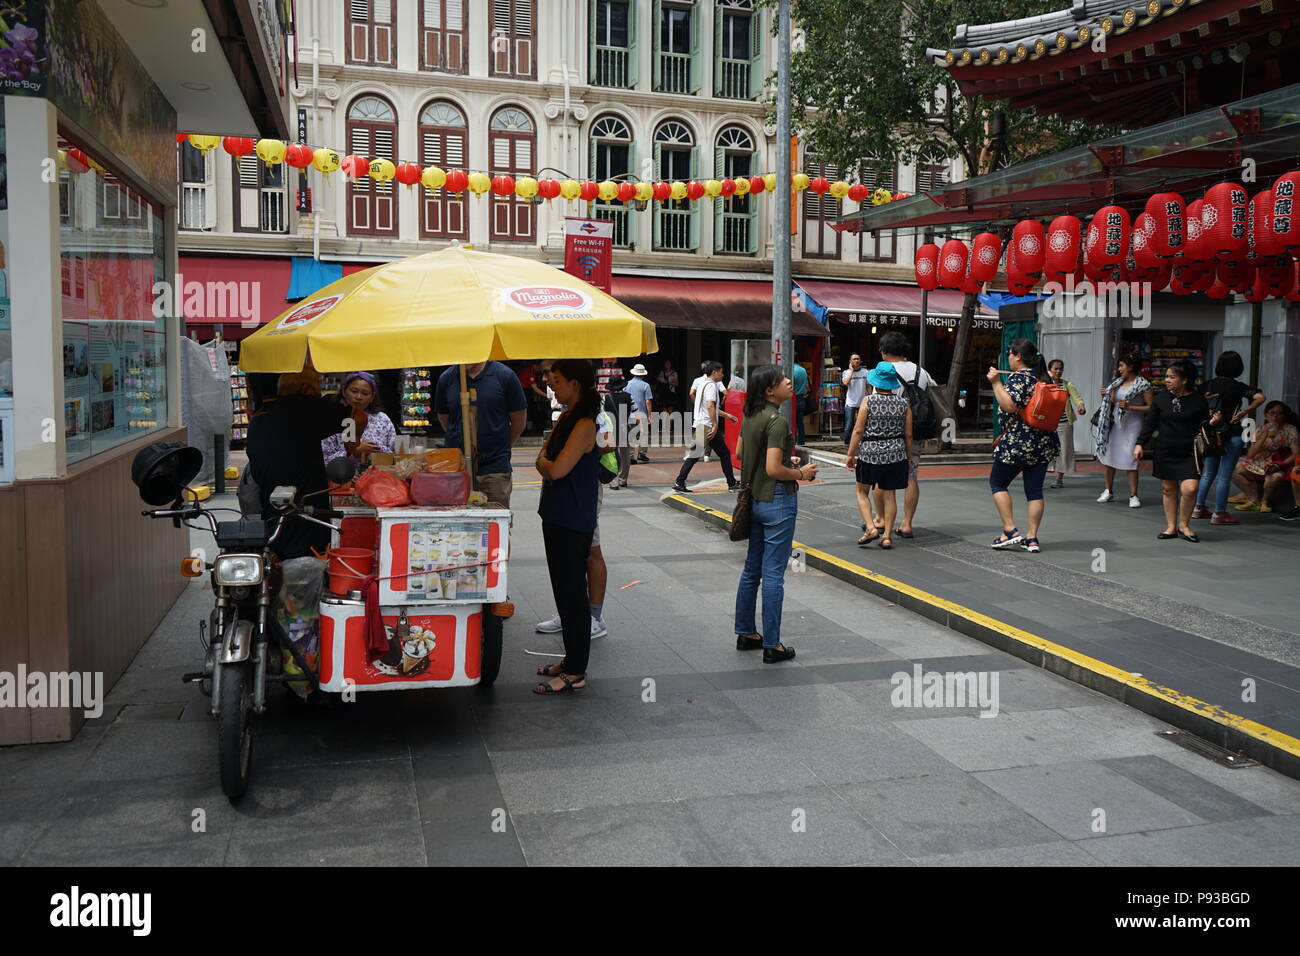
(283, 495)
(341, 470)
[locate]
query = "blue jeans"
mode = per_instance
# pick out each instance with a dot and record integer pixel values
(1220, 470)
(771, 533)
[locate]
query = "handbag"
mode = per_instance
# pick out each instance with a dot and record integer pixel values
(742, 513)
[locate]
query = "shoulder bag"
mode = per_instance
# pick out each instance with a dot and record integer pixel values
(742, 513)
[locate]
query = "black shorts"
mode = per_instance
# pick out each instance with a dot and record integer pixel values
(1174, 469)
(890, 477)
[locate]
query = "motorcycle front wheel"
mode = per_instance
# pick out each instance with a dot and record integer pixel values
(235, 728)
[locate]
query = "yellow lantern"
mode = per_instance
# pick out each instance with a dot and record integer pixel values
(769, 183)
(570, 188)
(382, 170)
(270, 151)
(799, 182)
(479, 183)
(742, 185)
(325, 160)
(712, 188)
(839, 189)
(204, 143)
(678, 190)
(526, 187)
(608, 190)
(881, 196)
(644, 192)
(433, 177)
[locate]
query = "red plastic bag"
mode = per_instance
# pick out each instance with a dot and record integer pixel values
(380, 489)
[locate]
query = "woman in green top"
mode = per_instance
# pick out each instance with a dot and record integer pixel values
(766, 468)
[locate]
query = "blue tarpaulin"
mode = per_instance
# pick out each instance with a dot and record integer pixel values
(311, 275)
(813, 307)
(996, 300)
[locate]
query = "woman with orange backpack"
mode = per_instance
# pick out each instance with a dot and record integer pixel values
(1022, 448)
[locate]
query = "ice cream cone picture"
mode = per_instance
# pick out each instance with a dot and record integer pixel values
(390, 662)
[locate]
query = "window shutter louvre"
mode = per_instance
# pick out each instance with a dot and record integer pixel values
(523, 18)
(209, 192)
(454, 150)
(719, 170)
(383, 11)
(756, 38)
(697, 66)
(633, 38)
(248, 172)
(433, 14)
(656, 48)
(719, 48)
(501, 16)
(360, 9)
(500, 154)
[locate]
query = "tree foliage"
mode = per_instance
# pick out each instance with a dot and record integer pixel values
(864, 87)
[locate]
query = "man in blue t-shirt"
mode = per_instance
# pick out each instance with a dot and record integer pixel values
(642, 407)
(498, 404)
(801, 396)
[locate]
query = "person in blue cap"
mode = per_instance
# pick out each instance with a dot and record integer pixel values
(880, 449)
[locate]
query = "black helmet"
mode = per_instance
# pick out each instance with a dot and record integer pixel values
(162, 470)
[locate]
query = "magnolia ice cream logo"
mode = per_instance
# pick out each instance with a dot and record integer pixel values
(308, 313)
(548, 298)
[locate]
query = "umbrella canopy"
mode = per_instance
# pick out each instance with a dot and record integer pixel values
(454, 306)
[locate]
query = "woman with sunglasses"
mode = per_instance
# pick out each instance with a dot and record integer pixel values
(371, 430)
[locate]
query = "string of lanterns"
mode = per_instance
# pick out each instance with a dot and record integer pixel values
(273, 152)
(1222, 243)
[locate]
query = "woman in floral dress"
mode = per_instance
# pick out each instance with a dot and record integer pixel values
(1021, 449)
(373, 430)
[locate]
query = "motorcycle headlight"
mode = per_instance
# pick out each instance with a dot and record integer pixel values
(237, 570)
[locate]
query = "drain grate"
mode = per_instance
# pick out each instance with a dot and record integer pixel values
(1220, 755)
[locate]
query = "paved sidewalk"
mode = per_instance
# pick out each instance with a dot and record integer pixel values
(730, 761)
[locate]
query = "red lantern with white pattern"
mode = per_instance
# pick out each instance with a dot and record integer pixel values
(1030, 241)
(1197, 247)
(1259, 223)
(1169, 224)
(1286, 216)
(1139, 247)
(1223, 219)
(1108, 237)
(952, 264)
(927, 266)
(1062, 256)
(985, 253)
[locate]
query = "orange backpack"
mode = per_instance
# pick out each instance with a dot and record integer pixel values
(1046, 406)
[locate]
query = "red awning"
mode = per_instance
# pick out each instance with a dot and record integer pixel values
(878, 298)
(725, 305)
(232, 290)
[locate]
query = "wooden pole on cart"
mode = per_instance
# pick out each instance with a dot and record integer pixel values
(465, 428)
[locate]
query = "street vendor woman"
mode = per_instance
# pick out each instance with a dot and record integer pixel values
(373, 430)
(284, 437)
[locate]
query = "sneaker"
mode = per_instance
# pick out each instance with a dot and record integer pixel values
(681, 489)
(1202, 511)
(1135, 502)
(1105, 497)
(643, 459)
(706, 459)
(1292, 515)
(734, 486)
(1223, 517)
(598, 628)
(553, 626)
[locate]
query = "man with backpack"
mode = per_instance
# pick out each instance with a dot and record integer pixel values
(620, 408)
(915, 384)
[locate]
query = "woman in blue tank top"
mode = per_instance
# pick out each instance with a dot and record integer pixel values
(568, 465)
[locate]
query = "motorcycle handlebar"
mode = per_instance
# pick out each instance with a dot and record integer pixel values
(184, 513)
(318, 512)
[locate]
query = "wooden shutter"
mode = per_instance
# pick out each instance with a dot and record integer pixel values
(442, 35)
(382, 43)
(360, 219)
(697, 65)
(756, 37)
(359, 31)
(385, 195)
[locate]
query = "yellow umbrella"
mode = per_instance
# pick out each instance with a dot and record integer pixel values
(451, 307)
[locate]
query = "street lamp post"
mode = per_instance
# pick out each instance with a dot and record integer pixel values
(781, 289)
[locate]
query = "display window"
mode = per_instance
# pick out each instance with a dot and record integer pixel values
(114, 345)
(1160, 348)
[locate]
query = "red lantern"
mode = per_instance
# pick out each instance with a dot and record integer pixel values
(77, 160)
(626, 191)
(1140, 243)
(927, 266)
(1259, 220)
(408, 174)
(589, 191)
(952, 264)
(1029, 240)
(355, 167)
(1223, 219)
(1062, 258)
(1275, 275)
(728, 187)
(1195, 275)
(662, 191)
(503, 185)
(1108, 237)
(1257, 292)
(1098, 272)
(1164, 272)
(1237, 276)
(1196, 247)
(1217, 291)
(1286, 224)
(985, 252)
(757, 184)
(298, 156)
(1169, 221)
(548, 188)
(238, 145)
(1178, 284)
(819, 185)
(456, 182)
(694, 190)
(858, 192)
(1294, 294)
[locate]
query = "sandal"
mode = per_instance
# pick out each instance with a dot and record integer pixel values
(1030, 545)
(904, 534)
(887, 543)
(866, 539)
(570, 685)
(1008, 538)
(551, 670)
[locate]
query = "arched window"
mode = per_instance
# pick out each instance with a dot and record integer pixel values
(677, 158)
(371, 32)
(735, 229)
(512, 145)
(372, 133)
(442, 144)
(611, 158)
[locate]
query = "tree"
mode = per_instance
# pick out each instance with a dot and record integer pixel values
(867, 93)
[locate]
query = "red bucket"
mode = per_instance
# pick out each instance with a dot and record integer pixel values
(349, 568)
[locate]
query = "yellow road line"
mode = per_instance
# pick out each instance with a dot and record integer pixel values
(1260, 732)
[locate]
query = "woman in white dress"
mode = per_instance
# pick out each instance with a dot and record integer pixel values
(1124, 404)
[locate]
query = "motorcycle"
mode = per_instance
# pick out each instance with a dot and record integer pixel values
(243, 643)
